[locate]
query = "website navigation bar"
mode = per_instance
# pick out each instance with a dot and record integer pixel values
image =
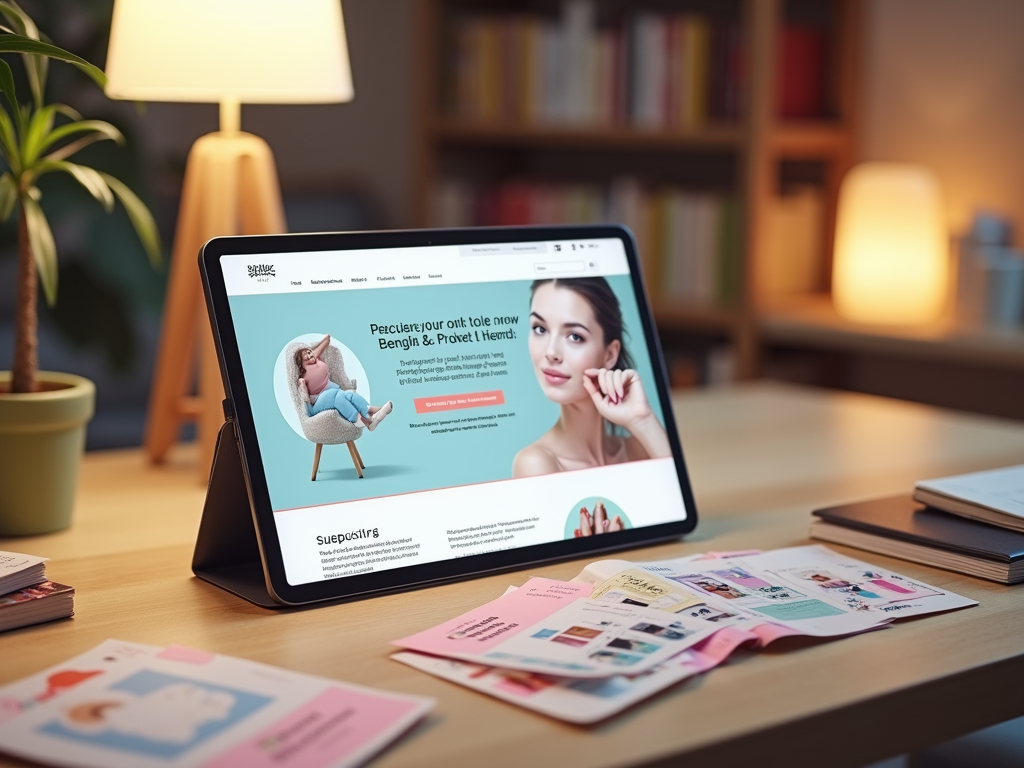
(254, 274)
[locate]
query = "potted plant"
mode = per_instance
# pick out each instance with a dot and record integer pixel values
(43, 414)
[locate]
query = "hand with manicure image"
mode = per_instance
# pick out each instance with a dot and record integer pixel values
(592, 525)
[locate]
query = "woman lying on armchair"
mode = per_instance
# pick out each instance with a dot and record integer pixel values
(322, 394)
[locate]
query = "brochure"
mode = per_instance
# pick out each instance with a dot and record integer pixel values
(512, 648)
(578, 700)
(125, 705)
(554, 627)
(854, 585)
(728, 590)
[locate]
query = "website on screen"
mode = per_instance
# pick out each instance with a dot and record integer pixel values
(418, 404)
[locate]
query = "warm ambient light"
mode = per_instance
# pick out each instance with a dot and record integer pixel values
(232, 52)
(255, 51)
(890, 262)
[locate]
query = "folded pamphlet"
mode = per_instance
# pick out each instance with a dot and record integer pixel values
(581, 651)
(578, 700)
(553, 627)
(126, 705)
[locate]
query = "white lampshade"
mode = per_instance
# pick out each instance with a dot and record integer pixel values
(248, 51)
(890, 264)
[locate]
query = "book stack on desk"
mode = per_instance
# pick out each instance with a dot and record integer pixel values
(26, 597)
(972, 524)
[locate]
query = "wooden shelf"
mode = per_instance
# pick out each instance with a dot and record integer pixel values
(676, 318)
(813, 323)
(810, 140)
(743, 156)
(462, 132)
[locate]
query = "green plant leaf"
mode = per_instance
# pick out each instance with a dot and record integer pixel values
(141, 218)
(8, 195)
(7, 84)
(89, 178)
(24, 117)
(98, 130)
(19, 20)
(69, 112)
(39, 128)
(37, 48)
(44, 249)
(9, 142)
(35, 67)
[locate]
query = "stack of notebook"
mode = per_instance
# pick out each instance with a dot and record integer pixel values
(972, 524)
(26, 597)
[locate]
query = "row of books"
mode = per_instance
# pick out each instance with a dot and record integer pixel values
(689, 242)
(26, 596)
(971, 523)
(655, 71)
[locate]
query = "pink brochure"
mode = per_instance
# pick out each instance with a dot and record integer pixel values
(553, 628)
(484, 628)
(581, 701)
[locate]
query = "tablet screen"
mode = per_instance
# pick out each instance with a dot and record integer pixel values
(414, 405)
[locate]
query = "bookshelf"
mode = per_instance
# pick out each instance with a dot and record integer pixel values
(487, 132)
(812, 323)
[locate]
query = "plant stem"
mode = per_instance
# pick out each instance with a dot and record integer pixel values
(26, 321)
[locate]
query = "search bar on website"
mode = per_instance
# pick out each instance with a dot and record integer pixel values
(559, 267)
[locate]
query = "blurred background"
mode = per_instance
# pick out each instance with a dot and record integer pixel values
(718, 130)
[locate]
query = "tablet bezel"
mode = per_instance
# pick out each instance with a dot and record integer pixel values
(406, 577)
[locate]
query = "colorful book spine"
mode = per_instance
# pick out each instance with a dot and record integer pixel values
(654, 71)
(689, 242)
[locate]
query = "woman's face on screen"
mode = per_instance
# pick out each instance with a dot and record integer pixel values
(566, 340)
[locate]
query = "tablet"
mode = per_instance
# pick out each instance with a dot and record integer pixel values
(419, 406)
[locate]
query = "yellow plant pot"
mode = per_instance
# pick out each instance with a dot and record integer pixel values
(42, 437)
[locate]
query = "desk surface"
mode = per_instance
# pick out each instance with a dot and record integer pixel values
(760, 457)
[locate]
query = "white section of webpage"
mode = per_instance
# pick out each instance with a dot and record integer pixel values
(271, 273)
(336, 540)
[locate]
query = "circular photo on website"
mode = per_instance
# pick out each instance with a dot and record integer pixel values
(595, 515)
(315, 371)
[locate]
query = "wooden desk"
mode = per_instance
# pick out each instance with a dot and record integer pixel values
(761, 456)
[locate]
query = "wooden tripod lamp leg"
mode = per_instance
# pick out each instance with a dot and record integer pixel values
(230, 187)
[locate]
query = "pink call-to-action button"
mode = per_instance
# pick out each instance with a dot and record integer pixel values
(454, 402)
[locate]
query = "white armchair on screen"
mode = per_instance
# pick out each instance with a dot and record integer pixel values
(326, 427)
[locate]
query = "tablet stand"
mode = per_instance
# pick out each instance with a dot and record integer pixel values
(227, 553)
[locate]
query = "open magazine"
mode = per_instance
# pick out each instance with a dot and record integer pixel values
(626, 618)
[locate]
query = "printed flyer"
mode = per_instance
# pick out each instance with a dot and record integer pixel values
(751, 598)
(126, 705)
(554, 627)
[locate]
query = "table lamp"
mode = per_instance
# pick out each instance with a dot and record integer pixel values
(229, 52)
(890, 265)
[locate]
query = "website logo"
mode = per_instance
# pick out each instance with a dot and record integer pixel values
(261, 272)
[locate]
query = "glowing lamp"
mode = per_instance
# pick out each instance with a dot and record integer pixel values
(232, 52)
(890, 265)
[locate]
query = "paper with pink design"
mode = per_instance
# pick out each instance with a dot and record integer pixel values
(124, 705)
(554, 627)
(575, 700)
